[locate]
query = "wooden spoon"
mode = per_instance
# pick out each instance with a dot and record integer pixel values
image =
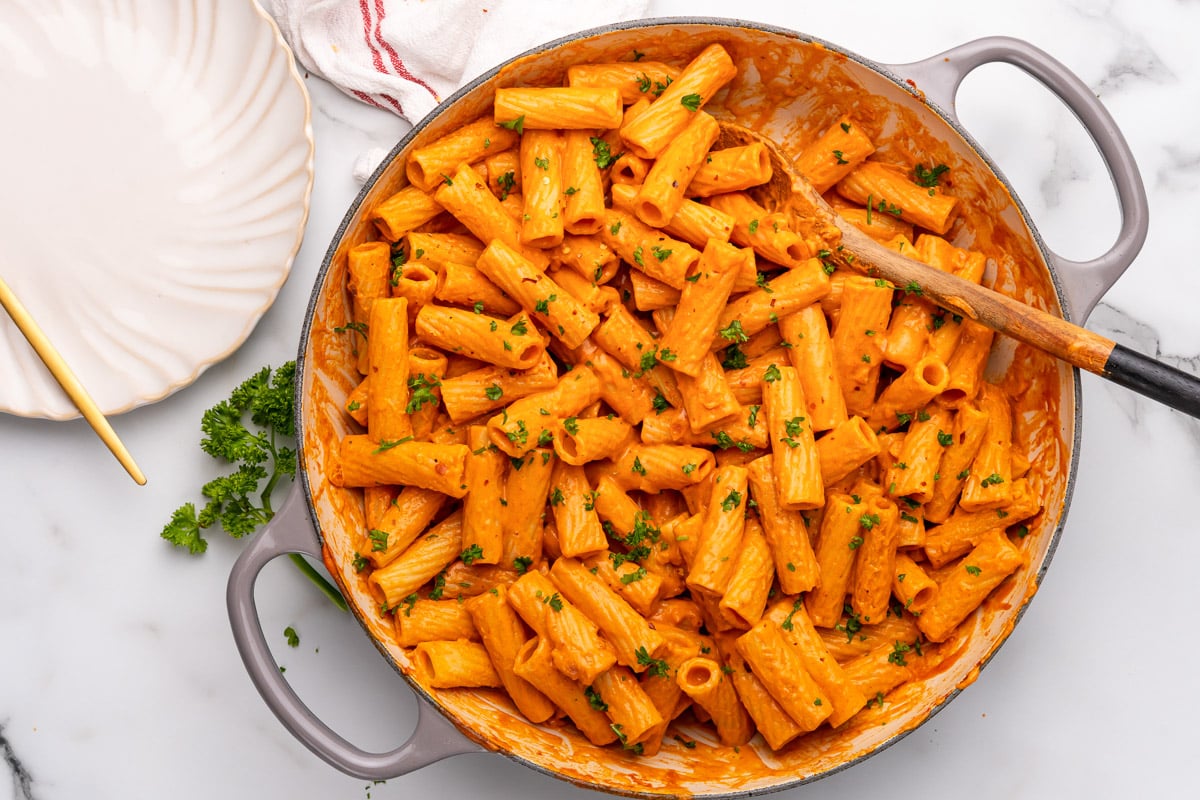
(1075, 345)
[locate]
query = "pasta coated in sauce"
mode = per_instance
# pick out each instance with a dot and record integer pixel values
(668, 458)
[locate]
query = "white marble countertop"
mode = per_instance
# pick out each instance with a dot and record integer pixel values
(118, 673)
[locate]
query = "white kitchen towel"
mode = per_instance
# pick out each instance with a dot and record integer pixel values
(407, 56)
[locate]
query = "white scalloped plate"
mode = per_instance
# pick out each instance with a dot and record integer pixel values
(156, 162)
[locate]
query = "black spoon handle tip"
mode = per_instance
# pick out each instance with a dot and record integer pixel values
(1154, 379)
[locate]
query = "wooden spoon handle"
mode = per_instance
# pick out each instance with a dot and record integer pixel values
(1075, 345)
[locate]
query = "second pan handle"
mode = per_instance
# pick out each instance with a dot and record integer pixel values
(291, 531)
(1084, 282)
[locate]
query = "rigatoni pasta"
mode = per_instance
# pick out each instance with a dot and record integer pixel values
(673, 463)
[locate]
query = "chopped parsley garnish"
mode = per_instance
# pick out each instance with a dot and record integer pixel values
(602, 153)
(691, 101)
(656, 667)
(506, 182)
(517, 124)
(421, 388)
(929, 177)
(734, 332)
(471, 554)
(734, 358)
(379, 540)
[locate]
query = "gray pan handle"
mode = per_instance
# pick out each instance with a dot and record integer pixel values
(1084, 282)
(291, 531)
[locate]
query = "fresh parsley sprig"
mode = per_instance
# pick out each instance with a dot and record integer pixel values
(263, 449)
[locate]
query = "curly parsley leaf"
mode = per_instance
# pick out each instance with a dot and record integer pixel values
(253, 430)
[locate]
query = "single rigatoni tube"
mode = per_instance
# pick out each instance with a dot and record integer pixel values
(465, 285)
(732, 170)
(797, 464)
(563, 316)
(582, 184)
(633, 714)
(364, 462)
(472, 203)
(427, 556)
(781, 669)
(485, 389)
(591, 439)
(831, 156)
(534, 665)
(440, 249)
(512, 343)
(755, 228)
(558, 108)
(485, 478)
(704, 681)
(635, 79)
(799, 632)
(542, 186)
(810, 351)
(368, 270)
(649, 133)
(876, 560)
(694, 222)
(913, 389)
(837, 545)
(406, 210)
(858, 340)
(662, 192)
(889, 190)
(427, 166)
(525, 490)
(433, 620)
(721, 533)
(503, 635)
(387, 359)
(846, 448)
(573, 505)
(403, 520)
(911, 585)
(631, 637)
(785, 294)
(647, 249)
(784, 530)
(587, 255)
(457, 664)
(685, 344)
(915, 470)
(655, 467)
(969, 584)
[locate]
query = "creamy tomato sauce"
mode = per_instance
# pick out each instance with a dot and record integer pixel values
(790, 90)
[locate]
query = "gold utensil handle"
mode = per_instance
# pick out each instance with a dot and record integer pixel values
(67, 380)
